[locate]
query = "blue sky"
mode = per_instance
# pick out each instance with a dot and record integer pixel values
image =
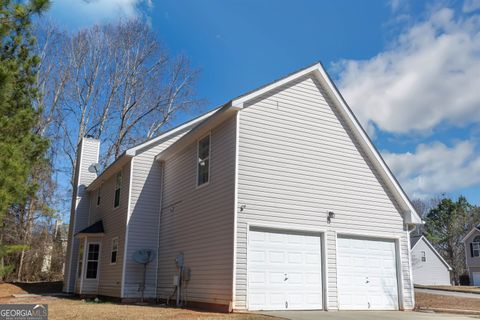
(410, 70)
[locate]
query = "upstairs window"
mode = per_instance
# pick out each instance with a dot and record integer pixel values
(203, 161)
(99, 195)
(476, 247)
(424, 256)
(118, 187)
(92, 260)
(113, 256)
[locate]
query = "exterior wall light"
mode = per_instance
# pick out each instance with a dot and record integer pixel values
(330, 216)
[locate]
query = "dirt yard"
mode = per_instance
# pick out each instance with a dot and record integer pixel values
(66, 308)
(434, 301)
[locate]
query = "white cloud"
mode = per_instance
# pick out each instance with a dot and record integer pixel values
(395, 4)
(428, 76)
(471, 5)
(436, 168)
(82, 13)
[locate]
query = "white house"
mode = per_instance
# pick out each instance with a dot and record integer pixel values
(276, 200)
(428, 266)
(471, 243)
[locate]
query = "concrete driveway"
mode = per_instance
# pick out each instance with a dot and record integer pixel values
(366, 315)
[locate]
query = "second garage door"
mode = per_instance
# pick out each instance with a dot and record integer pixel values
(284, 270)
(366, 274)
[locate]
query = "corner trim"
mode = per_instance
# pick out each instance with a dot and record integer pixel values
(127, 220)
(235, 211)
(410, 269)
(72, 236)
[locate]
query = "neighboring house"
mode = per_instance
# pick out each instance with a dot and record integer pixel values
(59, 238)
(276, 200)
(428, 266)
(472, 255)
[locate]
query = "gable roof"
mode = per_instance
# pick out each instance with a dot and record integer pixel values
(418, 238)
(474, 229)
(317, 71)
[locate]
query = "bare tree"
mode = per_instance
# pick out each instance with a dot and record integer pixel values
(116, 83)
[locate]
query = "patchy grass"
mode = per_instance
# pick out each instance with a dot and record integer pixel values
(435, 301)
(66, 308)
(470, 289)
(8, 289)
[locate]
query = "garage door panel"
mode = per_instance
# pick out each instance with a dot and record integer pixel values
(367, 274)
(288, 275)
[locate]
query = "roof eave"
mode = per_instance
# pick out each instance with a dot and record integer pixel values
(470, 233)
(111, 169)
(409, 213)
(201, 129)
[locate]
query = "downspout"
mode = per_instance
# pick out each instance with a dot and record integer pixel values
(409, 231)
(161, 164)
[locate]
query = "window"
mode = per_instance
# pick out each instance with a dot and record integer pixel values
(118, 187)
(113, 257)
(476, 247)
(99, 195)
(80, 260)
(424, 256)
(92, 260)
(203, 165)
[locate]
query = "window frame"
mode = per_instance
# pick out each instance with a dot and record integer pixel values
(423, 256)
(119, 188)
(81, 256)
(99, 196)
(209, 158)
(87, 260)
(476, 246)
(112, 251)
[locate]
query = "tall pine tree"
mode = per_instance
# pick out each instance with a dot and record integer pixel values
(21, 149)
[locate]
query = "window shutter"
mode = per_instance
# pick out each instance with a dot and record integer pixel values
(471, 249)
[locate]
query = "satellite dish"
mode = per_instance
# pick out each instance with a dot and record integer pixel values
(143, 256)
(93, 168)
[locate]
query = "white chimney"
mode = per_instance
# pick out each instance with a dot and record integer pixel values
(87, 155)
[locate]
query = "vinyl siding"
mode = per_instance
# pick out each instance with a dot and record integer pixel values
(471, 261)
(88, 155)
(144, 216)
(297, 161)
(431, 272)
(200, 221)
(110, 275)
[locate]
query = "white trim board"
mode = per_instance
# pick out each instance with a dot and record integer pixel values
(127, 220)
(474, 229)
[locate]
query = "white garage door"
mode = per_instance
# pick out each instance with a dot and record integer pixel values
(284, 271)
(366, 274)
